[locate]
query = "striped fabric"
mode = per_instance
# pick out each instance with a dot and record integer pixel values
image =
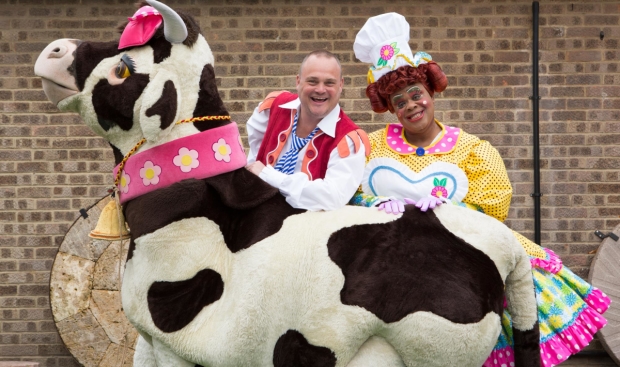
(286, 164)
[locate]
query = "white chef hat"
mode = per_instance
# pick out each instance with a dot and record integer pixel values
(383, 42)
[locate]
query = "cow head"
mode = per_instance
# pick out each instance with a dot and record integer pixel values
(137, 91)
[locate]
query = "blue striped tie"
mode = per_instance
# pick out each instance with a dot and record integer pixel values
(286, 164)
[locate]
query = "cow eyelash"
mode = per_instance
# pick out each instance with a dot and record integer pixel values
(125, 68)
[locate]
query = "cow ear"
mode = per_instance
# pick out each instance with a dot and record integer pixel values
(241, 189)
(160, 106)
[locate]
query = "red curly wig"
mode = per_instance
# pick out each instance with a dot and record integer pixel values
(430, 75)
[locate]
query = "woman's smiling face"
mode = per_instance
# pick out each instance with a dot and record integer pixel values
(415, 109)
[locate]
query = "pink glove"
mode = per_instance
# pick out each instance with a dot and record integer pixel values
(393, 206)
(425, 203)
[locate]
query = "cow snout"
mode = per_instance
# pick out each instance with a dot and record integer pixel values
(54, 66)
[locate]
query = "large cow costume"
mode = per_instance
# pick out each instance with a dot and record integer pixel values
(222, 271)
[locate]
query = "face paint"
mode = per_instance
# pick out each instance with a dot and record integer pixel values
(415, 110)
(401, 101)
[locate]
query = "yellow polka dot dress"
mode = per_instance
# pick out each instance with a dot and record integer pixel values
(489, 186)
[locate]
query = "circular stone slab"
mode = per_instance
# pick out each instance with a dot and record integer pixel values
(85, 296)
(605, 275)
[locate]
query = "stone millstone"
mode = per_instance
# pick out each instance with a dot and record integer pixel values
(85, 296)
(605, 275)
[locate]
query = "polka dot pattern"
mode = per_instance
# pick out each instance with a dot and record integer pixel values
(532, 248)
(396, 141)
(489, 186)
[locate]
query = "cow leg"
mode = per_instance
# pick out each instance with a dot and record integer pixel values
(376, 351)
(423, 339)
(144, 356)
(164, 357)
(523, 310)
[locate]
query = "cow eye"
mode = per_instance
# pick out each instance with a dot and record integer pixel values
(125, 67)
(122, 71)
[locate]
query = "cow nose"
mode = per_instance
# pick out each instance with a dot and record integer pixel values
(57, 52)
(54, 66)
(54, 61)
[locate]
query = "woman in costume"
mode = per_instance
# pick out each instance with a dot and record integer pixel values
(426, 162)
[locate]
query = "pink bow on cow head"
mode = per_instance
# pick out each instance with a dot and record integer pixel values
(141, 27)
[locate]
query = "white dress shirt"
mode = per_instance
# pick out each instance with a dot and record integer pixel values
(342, 178)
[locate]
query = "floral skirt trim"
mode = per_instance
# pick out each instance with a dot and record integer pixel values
(557, 349)
(573, 339)
(569, 314)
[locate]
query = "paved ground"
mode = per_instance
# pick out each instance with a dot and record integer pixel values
(598, 360)
(592, 355)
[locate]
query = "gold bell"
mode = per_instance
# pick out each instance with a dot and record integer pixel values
(108, 224)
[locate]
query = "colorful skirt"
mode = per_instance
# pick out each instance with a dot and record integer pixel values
(569, 314)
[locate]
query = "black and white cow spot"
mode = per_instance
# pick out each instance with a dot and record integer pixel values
(165, 106)
(173, 305)
(393, 275)
(293, 349)
(209, 102)
(87, 56)
(114, 104)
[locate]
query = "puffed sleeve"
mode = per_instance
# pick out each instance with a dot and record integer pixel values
(489, 186)
(257, 124)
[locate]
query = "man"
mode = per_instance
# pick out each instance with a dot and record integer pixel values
(303, 144)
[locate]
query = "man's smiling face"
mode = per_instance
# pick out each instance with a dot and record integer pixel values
(319, 86)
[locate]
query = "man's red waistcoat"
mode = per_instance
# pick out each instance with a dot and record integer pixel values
(316, 159)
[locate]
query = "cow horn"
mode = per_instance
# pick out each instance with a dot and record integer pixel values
(175, 30)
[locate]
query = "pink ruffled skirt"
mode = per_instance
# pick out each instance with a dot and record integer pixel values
(569, 314)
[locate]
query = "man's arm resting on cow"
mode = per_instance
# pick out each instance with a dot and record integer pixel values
(342, 178)
(255, 167)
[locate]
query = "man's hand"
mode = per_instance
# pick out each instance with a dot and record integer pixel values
(255, 167)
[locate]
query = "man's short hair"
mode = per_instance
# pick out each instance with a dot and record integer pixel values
(321, 53)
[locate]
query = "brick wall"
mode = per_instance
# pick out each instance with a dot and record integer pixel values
(51, 165)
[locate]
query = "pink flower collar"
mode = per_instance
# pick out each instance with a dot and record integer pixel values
(396, 141)
(206, 154)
